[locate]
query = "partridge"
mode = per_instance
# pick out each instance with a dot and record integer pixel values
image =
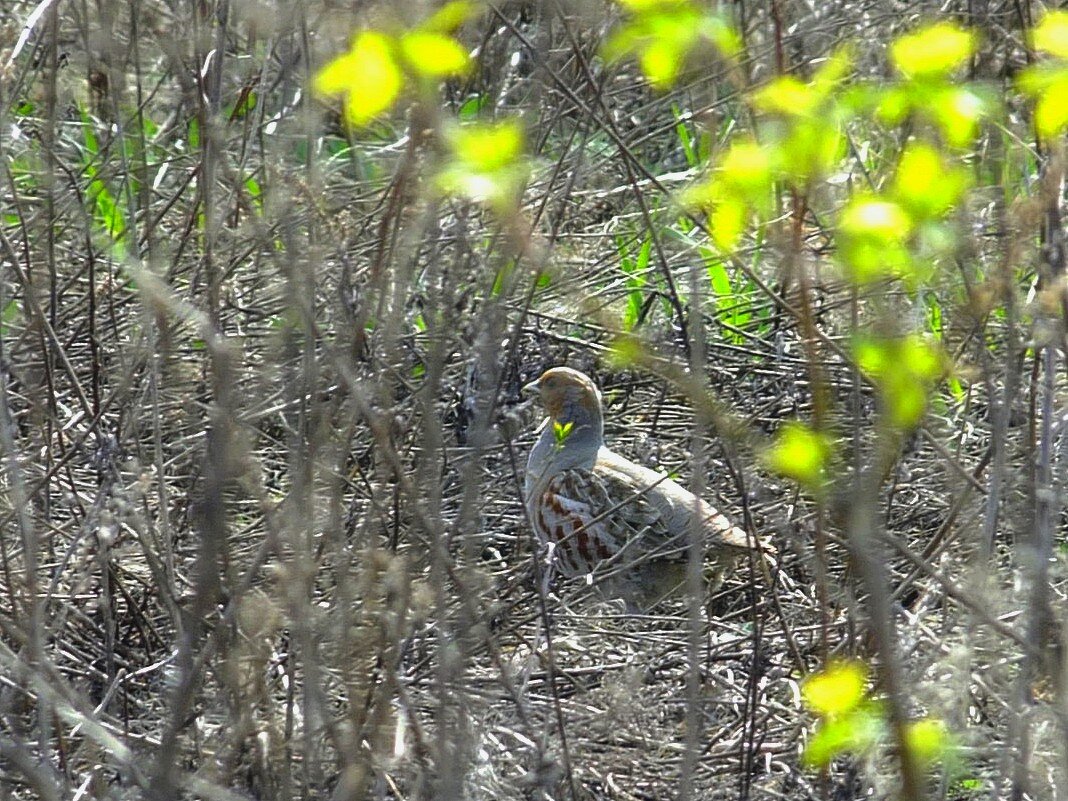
(603, 516)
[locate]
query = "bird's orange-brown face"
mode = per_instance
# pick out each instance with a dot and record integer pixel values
(563, 387)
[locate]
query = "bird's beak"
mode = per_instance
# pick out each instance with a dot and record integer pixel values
(531, 388)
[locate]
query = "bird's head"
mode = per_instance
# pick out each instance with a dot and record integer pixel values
(568, 397)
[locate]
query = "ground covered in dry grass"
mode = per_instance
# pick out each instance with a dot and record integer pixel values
(261, 531)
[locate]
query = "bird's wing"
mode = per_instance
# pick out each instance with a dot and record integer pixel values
(675, 505)
(599, 518)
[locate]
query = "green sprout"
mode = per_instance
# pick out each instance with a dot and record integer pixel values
(561, 431)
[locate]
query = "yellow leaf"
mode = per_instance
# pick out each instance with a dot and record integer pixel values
(1051, 34)
(927, 739)
(721, 34)
(367, 77)
(932, 51)
(433, 55)
(486, 166)
(746, 168)
(833, 71)
(786, 95)
(871, 238)
(925, 184)
(905, 370)
(837, 689)
(957, 111)
(856, 732)
(487, 147)
(1051, 109)
(450, 16)
(644, 6)
(871, 356)
(921, 358)
(878, 218)
(660, 62)
(800, 453)
(727, 221)
(626, 351)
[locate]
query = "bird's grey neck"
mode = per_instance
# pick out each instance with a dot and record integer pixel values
(577, 449)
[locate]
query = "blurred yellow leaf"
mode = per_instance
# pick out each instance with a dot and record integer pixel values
(872, 236)
(486, 164)
(746, 169)
(642, 6)
(1051, 109)
(905, 370)
(627, 350)
(928, 740)
(837, 689)
(801, 454)
(921, 357)
(855, 732)
(726, 222)
(932, 51)
(957, 111)
(367, 77)
(786, 95)
(662, 35)
(833, 71)
(660, 62)
(871, 355)
(925, 184)
(450, 16)
(721, 34)
(433, 55)
(487, 147)
(1051, 34)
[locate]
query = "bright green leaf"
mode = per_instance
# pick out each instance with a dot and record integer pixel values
(561, 431)
(470, 108)
(933, 51)
(10, 315)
